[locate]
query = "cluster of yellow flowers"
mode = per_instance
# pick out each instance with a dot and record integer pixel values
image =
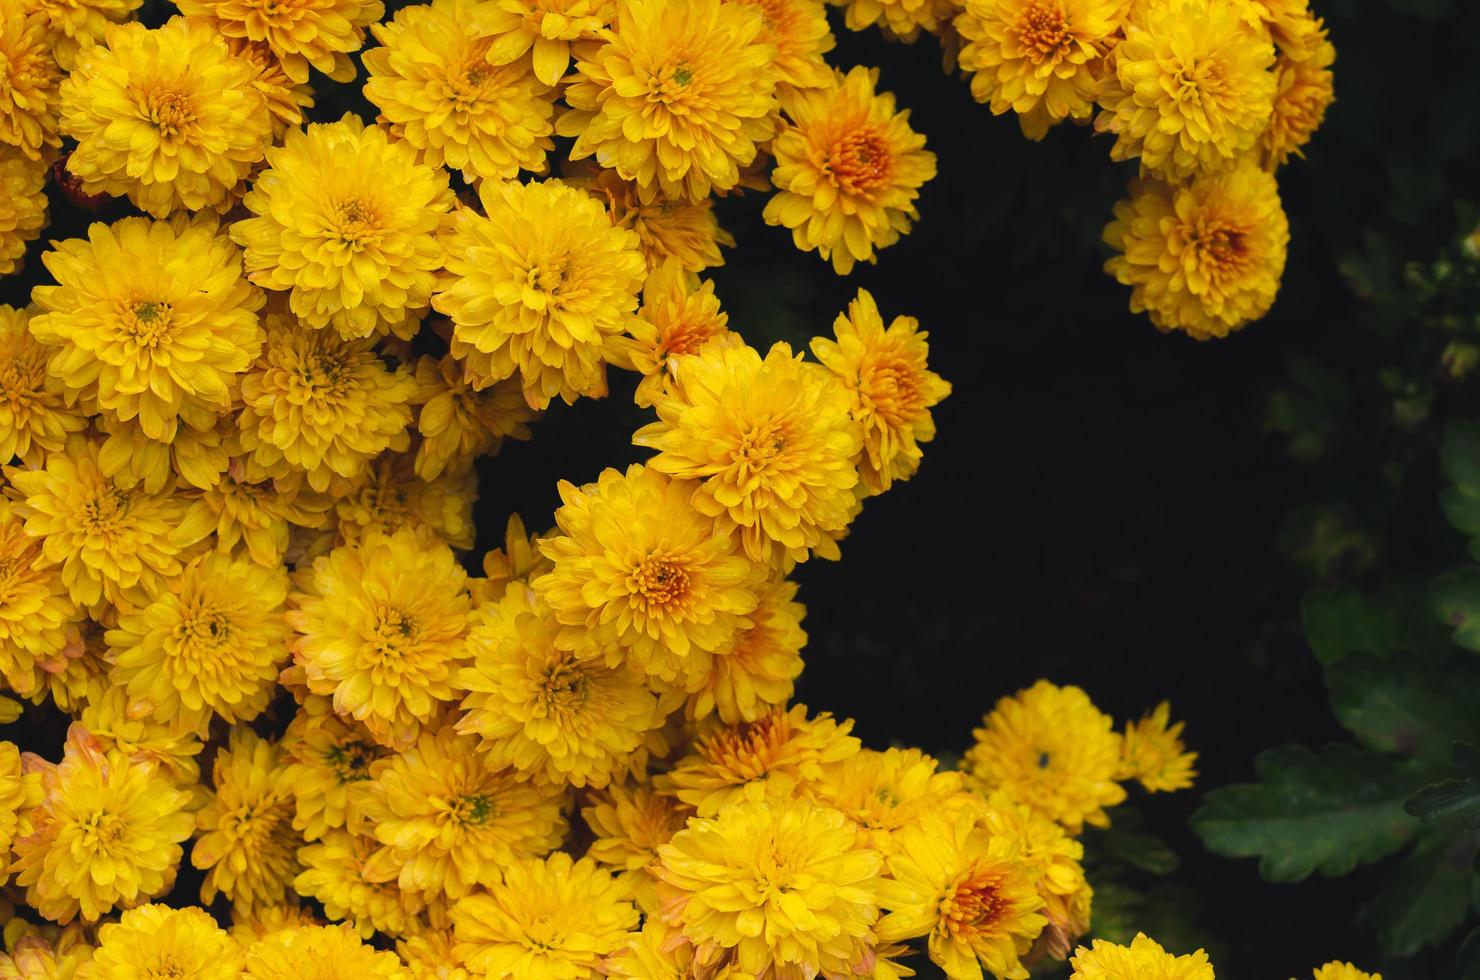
(1211, 97)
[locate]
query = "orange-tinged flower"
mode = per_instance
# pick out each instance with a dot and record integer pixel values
(676, 317)
(1304, 90)
(458, 423)
(301, 33)
(630, 821)
(684, 231)
(798, 29)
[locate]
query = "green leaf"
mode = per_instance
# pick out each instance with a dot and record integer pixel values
(1456, 599)
(1426, 896)
(1143, 851)
(1467, 963)
(1339, 622)
(1460, 455)
(1326, 812)
(1457, 798)
(1404, 705)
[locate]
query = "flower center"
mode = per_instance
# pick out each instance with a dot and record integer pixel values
(103, 828)
(475, 809)
(170, 110)
(972, 905)
(351, 761)
(465, 84)
(203, 629)
(670, 83)
(892, 387)
(1199, 82)
(659, 583)
(355, 222)
(320, 374)
(1043, 30)
(22, 377)
(1221, 251)
(746, 752)
(760, 445)
(565, 688)
(165, 969)
(860, 161)
(147, 322)
(101, 514)
(392, 633)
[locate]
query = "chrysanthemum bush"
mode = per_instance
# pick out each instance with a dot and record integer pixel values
(239, 430)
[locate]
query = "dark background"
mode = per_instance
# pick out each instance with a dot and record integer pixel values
(1103, 503)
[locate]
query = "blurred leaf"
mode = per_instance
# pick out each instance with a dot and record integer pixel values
(1326, 812)
(1467, 963)
(1404, 705)
(1457, 798)
(1338, 623)
(1143, 851)
(1456, 598)
(1427, 896)
(1460, 455)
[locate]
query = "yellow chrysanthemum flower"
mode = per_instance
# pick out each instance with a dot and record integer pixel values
(677, 317)
(1153, 754)
(1296, 31)
(347, 220)
(848, 171)
(1304, 90)
(519, 560)
(107, 833)
(786, 885)
(23, 206)
(904, 19)
(158, 941)
(245, 516)
(76, 25)
(394, 498)
(381, 629)
(112, 543)
(1191, 89)
(79, 677)
(1143, 958)
(758, 671)
(113, 728)
(247, 846)
(1066, 893)
(536, 287)
(659, 952)
(152, 319)
(546, 30)
(450, 822)
(1050, 748)
(32, 956)
(210, 642)
(768, 758)
(320, 953)
(36, 610)
(334, 875)
(1204, 258)
(433, 84)
(428, 955)
(458, 423)
(329, 756)
(169, 118)
(642, 570)
(29, 78)
(678, 99)
(301, 33)
(35, 418)
(20, 793)
(318, 405)
(550, 919)
(567, 715)
(971, 893)
(195, 458)
(885, 792)
(893, 390)
(629, 822)
(1042, 59)
(250, 925)
(1337, 970)
(772, 442)
(798, 30)
(286, 99)
(685, 231)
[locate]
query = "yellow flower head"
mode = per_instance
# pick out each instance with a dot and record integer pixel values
(1337, 970)
(768, 758)
(107, 833)
(798, 29)
(250, 925)
(1303, 92)
(1042, 59)
(347, 219)
(519, 560)
(111, 543)
(971, 893)
(1152, 752)
(684, 231)
(32, 956)
(28, 77)
(1051, 749)
(536, 287)
(428, 955)
(36, 611)
(23, 206)
(78, 676)
(659, 952)
(550, 919)
(569, 716)
(1205, 258)
(758, 671)
(318, 405)
(196, 458)
(647, 574)
(772, 442)
(629, 822)
(394, 498)
(893, 390)
(113, 728)
(247, 846)
(679, 97)
(1297, 32)
(210, 642)
(151, 318)
(169, 117)
(904, 19)
(329, 756)
(158, 941)
(20, 794)
(35, 418)
(334, 875)
(546, 30)
(449, 822)
(381, 629)
(432, 82)
(785, 884)
(320, 953)
(301, 33)
(848, 170)
(1062, 885)
(246, 517)
(675, 318)
(885, 792)
(458, 423)
(77, 25)
(1143, 959)
(1192, 87)
(286, 99)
